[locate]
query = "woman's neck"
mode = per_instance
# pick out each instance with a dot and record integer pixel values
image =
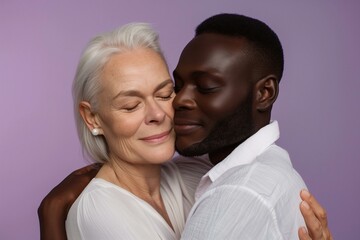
(142, 180)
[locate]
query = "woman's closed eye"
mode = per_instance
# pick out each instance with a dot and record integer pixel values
(166, 95)
(130, 107)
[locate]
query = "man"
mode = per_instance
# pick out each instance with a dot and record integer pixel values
(226, 82)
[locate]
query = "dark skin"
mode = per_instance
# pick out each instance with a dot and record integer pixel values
(208, 93)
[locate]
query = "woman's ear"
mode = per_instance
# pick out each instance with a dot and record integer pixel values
(267, 90)
(90, 118)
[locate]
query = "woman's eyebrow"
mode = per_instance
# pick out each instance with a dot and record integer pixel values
(163, 84)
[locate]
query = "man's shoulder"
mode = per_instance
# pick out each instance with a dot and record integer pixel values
(271, 173)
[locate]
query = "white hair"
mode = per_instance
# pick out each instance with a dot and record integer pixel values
(86, 83)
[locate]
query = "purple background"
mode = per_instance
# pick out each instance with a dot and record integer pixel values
(40, 44)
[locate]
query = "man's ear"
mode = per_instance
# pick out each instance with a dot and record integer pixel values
(267, 90)
(90, 118)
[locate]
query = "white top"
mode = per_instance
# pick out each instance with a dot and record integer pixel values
(107, 211)
(252, 194)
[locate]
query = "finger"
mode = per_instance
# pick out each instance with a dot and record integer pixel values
(313, 224)
(303, 234)
(318, 210)
(330, 236)
(327, 234)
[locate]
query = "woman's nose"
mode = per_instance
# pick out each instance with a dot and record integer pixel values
(155, 113)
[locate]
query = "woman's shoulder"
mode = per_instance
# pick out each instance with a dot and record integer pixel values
(103, 211)
(102, 196)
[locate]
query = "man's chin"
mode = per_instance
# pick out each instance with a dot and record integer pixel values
(191, 151)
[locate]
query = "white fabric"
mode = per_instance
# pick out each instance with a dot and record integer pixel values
(192, 169)
(251, 194)
(106, 211)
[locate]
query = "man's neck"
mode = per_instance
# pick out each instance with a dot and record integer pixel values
(220, 154)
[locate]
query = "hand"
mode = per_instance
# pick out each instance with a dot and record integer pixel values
(315, 218)
(55, 206)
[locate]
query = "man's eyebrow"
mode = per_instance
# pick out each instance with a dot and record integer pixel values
(136, 93)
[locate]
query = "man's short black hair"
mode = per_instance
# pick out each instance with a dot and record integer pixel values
(262, 38)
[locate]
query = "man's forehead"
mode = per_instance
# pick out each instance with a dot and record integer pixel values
(206, 46)
(202, 55)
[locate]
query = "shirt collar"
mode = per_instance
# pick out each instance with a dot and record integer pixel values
(247, 152)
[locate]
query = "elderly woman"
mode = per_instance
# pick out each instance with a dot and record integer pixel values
(123, 108)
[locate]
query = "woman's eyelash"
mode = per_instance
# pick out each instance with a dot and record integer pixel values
(166, 97)
(129, 109)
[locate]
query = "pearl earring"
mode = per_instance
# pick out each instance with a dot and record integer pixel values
(95, 131)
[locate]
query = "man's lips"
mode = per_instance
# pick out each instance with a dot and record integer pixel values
(157, 137)
(185, 126)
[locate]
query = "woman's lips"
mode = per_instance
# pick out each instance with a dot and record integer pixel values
(157, 138)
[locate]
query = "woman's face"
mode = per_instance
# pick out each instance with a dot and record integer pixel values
(135, 107)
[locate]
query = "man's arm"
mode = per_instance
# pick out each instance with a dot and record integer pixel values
(54, 207)
(315, 218)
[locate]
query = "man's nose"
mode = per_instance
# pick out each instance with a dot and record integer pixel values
(185, 98)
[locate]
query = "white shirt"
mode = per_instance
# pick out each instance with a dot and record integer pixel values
(252, 194)
(107, 211)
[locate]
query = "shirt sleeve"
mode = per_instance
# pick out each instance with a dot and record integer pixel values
(229, 212)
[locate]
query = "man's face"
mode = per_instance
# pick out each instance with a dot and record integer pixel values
(213, 105)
